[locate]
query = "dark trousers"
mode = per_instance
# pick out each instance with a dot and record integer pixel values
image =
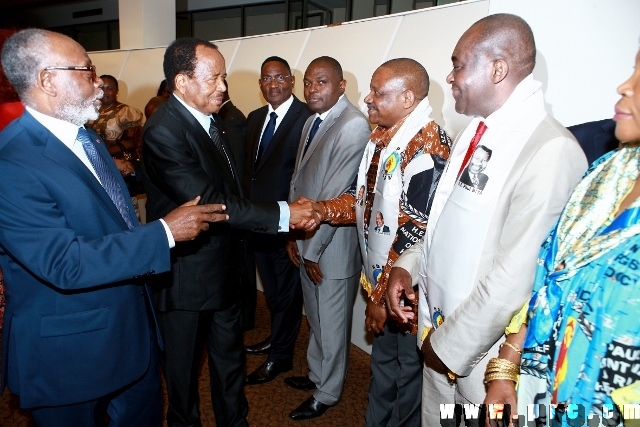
(281, 282)
(185, 335)
(138, 404)
(395, 391)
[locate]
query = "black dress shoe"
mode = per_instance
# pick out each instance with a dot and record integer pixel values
(310, 408)
(267, 371)
(263, 347)
(300, 383)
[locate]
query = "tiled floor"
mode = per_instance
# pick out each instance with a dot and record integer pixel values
(269, 404)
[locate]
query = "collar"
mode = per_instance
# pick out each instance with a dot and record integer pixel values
(64, 131)
(203, 119)
(527, 87)
(282, 108)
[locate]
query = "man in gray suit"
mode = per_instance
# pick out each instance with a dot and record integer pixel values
(330, 151)
(479, 254)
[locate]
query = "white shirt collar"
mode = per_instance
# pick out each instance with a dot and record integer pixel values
(203, 119)
(281, 111)
(64, 131)
(67, 133)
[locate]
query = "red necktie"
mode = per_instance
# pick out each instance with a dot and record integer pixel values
(472, 146)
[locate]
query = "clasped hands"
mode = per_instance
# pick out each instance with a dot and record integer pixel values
(306, 214)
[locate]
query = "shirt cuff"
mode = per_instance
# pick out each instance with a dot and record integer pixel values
(285, 216)
(170, 239)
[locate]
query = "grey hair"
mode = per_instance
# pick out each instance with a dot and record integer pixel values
(22, 56)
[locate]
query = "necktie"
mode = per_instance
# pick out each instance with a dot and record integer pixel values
(473, 145)
(312, 133)
(107, 179)
(214, 133)
(267, 135)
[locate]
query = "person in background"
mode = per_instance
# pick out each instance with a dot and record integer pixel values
(577, 341)
(596, 138)
(235, 126)
(273, 137)
(120, 126)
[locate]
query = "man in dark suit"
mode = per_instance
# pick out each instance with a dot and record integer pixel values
(77, 338)
(235, 131)
(273, 136)
(596, 138)
(185, 154)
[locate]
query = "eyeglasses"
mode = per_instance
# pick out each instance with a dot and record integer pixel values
(265, 80)
(91, 68)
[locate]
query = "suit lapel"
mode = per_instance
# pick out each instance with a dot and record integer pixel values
(255, 133)
(282, 129)
(55, 150)
(204, 143)
(327, 124)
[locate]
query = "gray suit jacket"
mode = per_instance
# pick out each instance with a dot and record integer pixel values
(537, 189)
(325, 171)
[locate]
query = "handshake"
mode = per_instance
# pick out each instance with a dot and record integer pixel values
(306, 214)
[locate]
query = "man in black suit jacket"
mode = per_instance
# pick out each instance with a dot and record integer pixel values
(185, 154)
(273, 136)
(596, 138)
(235, 131)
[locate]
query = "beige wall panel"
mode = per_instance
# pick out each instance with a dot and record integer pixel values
(359, 47)
(141, 77)
(586, 48)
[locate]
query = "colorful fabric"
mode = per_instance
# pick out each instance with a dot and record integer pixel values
(390, 198)
(583, 336)
(115, 120)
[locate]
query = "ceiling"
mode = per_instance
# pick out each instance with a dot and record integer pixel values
(10, 4)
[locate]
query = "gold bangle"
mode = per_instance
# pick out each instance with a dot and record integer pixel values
(501, 369)
(512, 347)
(500, 376)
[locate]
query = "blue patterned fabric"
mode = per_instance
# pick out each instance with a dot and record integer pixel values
(583, 335)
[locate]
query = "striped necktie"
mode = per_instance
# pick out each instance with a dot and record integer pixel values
(105, 175)
(214, 133)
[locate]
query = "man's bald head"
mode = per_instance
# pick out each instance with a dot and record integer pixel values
(508, 37)
(489, 61)
(411, 73)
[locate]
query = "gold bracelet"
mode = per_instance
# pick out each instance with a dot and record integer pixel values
(500, 376)
(512, 347)
(501, 369)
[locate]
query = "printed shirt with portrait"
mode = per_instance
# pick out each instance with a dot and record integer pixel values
(410, 195)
